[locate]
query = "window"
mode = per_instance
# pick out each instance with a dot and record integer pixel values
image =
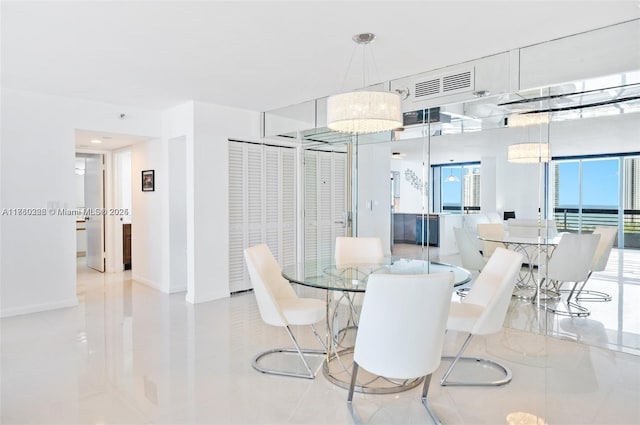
(587, 193)
(459, 188)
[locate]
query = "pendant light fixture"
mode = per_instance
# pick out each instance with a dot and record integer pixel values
(529, 153)
(361, 112)
(451, 178)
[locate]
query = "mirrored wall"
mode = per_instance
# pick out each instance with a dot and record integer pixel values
(457, 166)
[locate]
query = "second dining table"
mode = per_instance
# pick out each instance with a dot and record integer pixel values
(536, 251)
(344, 287)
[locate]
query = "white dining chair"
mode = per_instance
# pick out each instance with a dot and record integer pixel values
(571, 262)
(402, 329)
(358, 250)
(482, 312)
(351, 252)
(280, 306)
(470, 257)
(600, 260)
(494, 231)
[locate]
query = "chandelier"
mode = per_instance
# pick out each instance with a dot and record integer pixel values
(361, 112)
(529, 153)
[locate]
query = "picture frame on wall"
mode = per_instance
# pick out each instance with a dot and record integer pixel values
(148, 180)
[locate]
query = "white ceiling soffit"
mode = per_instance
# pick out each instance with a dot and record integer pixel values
(109, 141)
(262, 55)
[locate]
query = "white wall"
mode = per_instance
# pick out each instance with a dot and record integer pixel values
(374, 193)
(178, 273)
(411, 200)
(207, 195)
(149, 234)
(38, 263)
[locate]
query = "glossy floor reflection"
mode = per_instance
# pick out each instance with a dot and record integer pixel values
(130, 355)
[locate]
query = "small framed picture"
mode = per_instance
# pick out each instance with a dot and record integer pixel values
(148, 181)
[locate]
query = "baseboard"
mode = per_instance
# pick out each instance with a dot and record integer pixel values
(210, 297)
(178, 289)
(9, 312)
(145, 282)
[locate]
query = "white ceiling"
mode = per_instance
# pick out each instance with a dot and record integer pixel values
(109, 141)
(265, 54)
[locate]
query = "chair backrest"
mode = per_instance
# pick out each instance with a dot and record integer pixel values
(402, 324)
(493, 231)
(492, 290)
(530, 228)
(607, 237)
(572, 259)
(358, 250)
(268, 284)
(469, 255)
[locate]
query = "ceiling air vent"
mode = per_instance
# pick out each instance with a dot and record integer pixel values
(427, 88)
(456, 82)
(460, 81)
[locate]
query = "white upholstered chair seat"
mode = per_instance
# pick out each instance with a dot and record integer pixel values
(303, 311)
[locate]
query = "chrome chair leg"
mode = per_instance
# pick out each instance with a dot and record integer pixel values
(301, 352)
(572, 309)
(319, 338)
(354, 374)
(458, 357)
(425, 402)
(593, 296)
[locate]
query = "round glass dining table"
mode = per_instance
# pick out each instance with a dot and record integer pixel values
(353, 278)
(344, 287)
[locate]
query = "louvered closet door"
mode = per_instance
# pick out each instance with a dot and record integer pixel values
(237, 217)
(325, 202)
(262, 205)
(310, 207)
(288, 207)
(280, 203)
(339, 194)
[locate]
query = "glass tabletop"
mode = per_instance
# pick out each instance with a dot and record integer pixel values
(353, 278)
(519, 240)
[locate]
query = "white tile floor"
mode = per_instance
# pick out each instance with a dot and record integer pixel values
(130, 355)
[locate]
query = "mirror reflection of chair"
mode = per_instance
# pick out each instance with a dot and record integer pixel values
(532, 228)
(571, 261)
(402, 328)
(280, 306)
(600, 260)
(470, 258)
(483, 311)
(493, 231)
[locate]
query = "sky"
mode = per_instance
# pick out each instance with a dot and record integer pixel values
(599, 187)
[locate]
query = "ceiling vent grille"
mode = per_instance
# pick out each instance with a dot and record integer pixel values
(427, 88)
(460, 81)
(456, 81)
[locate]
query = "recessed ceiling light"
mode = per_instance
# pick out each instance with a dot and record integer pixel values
(96, 141)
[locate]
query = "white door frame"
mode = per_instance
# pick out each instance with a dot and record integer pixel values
(110, 222)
